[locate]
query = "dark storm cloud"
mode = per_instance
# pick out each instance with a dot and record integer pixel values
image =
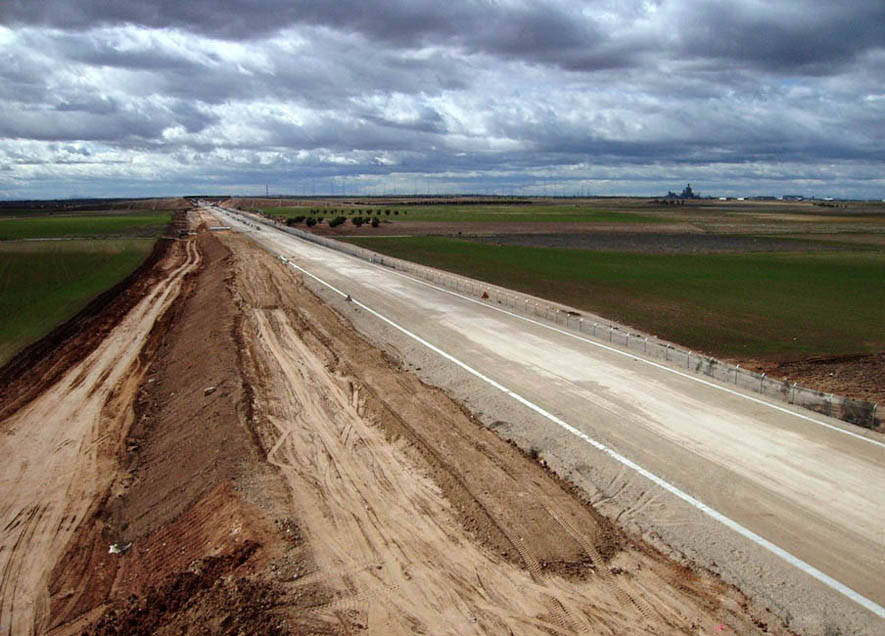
(476, 91)
(543, 33)
(812, 36)
(807, 37)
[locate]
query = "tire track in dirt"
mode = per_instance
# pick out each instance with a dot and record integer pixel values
(57, 451)
(418, 518)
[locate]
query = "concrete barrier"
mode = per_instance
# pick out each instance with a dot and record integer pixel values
(859, 412)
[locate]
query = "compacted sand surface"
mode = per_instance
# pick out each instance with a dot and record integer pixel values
(259, 467)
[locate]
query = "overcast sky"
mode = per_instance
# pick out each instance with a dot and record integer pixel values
(145, 97)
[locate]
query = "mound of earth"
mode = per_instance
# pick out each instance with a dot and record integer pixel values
(258, 467)
(860, 376)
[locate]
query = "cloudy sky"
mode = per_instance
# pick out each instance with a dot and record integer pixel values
(149, 97)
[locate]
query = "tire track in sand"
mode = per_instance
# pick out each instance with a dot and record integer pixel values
(387, 542)
(58, 450)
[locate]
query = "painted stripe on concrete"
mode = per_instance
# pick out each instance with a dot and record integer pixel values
(627, 354)
(620, 352)
(809, 569)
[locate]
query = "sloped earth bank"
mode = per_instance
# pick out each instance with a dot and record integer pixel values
(859, 376)
(281, 475)
(58, 449)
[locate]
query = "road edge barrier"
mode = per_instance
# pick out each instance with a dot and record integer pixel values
(859, 412)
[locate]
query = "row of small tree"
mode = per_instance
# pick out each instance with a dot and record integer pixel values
(356, 211)
(334, 222)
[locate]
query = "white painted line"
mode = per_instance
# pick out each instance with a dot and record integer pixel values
(626, 354)
(730, 523)
(718, 516)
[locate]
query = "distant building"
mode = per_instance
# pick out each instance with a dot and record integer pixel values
(687, 193)
(793, 197)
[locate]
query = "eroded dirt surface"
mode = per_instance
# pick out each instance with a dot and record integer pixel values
(208, 519)
(58, 450)
(857, 376)
(277, 474)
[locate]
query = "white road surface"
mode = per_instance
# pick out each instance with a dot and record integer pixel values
(812, 492)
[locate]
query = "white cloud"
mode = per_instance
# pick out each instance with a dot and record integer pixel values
(629, 95)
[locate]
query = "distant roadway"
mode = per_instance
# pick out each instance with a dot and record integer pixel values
(807, 490)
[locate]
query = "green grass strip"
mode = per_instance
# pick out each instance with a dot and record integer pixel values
(43, 284)
(731, 305)
(81, 226)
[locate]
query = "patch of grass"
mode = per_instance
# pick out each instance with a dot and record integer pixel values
(42, 284)
(486, 213)
(142, 225)
(758, 305)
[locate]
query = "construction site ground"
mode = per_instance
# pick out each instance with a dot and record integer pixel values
(259, 467)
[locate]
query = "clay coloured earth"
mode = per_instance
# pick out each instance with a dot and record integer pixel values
(216, 450)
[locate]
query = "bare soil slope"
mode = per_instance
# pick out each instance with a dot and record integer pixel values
(275, 473)
(59, 449)
(418, 518)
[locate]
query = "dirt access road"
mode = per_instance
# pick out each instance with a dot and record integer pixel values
(800, 486)
(275, 473)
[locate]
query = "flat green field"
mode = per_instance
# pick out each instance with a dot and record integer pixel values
(485, 213)
(759, 305)
(83, 225)
(44, 283)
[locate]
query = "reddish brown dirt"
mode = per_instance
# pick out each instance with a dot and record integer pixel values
(283, 476)
(209, 521)
(856, 376)
(491, 228)
(59, 449)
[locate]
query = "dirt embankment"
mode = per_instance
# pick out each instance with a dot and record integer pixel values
(42, 363)
(59, 442)
(194, 496)
(279, 474)
(861, 376)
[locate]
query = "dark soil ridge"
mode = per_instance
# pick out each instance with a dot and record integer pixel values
(859, 376)
(40, 364)
(657, 243)
(209, 521)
